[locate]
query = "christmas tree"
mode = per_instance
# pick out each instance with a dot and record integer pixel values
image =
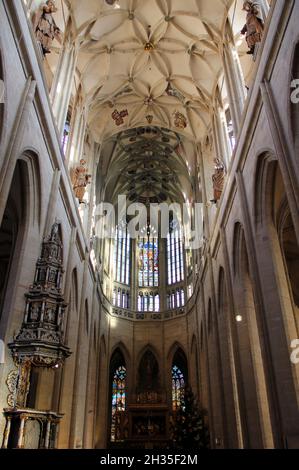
(188, 427)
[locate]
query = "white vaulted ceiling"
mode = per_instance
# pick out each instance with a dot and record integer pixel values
(159, 60)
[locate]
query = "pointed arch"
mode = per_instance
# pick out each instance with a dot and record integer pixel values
(118, 380)
(264, 177)
(148, 372)
(19, 215)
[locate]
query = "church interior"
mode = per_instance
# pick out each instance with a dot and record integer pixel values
(113, 339)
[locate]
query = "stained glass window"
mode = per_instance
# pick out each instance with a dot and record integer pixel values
(175, 257)
(148, 302)
(148, 262)
(118, 401)
(121, 298)
(122, 251)
(178, 388)
(176, 299)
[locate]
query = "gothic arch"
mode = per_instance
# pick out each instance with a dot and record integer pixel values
(122, 349)
(264, 176)
(173, 350)
(117, 363)
(20, 213)
(148, 372)
(227, 365)
(250, 346)
(239, 249)
(179, 358)
(148, 347)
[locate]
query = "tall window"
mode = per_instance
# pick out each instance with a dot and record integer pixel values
(148, 262)
(176, 299)
(66, 135)
(230, 129)
(148, 302)
(122, 252)
(178, 388)
(118, 402)
(121, 298)
(175, 257)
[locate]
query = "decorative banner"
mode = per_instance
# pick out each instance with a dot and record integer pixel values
(118, 117)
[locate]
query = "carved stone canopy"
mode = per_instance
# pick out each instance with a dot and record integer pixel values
(40, 340)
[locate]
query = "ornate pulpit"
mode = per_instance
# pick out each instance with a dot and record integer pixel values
(39, 344)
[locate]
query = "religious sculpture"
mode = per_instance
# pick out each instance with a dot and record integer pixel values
(218, 179)
(80, 180)
(45, 27)
(254, 26)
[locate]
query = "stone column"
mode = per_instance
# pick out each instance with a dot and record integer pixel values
(235, 83)
(47, 438)
(21, 432)
(63, 80)
(162, 274)
(134, 277)
(6, 433)
(220, 135)
(78, 131)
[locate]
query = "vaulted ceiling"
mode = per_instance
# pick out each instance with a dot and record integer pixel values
(148, 165)
(150, 62)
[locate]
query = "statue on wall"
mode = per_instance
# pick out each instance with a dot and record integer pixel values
(254, 26)
(218, 179)
(45, 27)
(80, 180)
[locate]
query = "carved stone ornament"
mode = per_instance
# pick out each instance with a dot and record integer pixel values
(40, 340)
(180, 120)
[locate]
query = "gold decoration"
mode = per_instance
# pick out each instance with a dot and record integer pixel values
(149, 118)
(149, 47)
(180, 121)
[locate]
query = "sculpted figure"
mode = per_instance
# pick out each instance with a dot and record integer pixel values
(218, 179)
(80, 180)
(254, 26)
(45, 27)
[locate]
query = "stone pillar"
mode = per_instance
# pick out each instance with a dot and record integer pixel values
(220, 135)
(162, 274)
(134, 277)
(234, 83)
(21, 432)
(48, 431)
(6, 433)
(78, 131)
(63, 80)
